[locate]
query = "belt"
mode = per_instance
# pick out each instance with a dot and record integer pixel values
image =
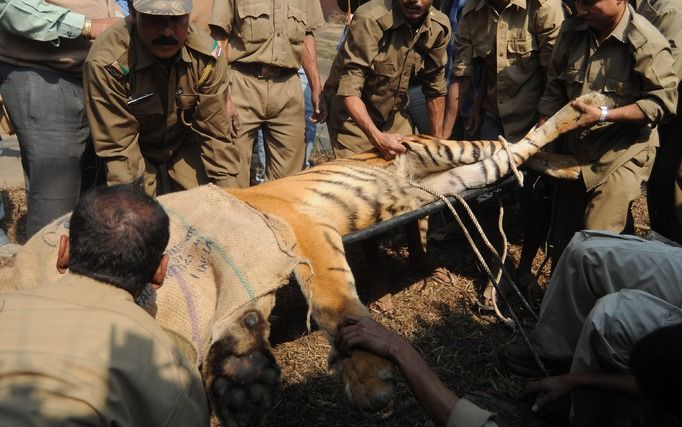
(263, 71)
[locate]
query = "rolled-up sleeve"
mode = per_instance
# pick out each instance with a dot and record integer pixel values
(212, 123)
(40, 21)
(314, 18)
(222, 15)
(113, 127)
(358, 51)
(463, 64)
(467, 414)
(433, 74)
(548, 19)
(654, 63)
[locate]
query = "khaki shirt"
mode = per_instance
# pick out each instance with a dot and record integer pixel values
(514, 47)
(381, 53)
(267, 31)
(140, 112)
(633, 65)
(80, 352)
(666, 16)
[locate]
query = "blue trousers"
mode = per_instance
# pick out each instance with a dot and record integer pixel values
(47, 111)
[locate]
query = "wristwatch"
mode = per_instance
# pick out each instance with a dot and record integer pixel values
(87, 28)
(604, 113)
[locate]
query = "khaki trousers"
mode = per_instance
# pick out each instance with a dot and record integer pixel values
(276, 106)
(606, 207)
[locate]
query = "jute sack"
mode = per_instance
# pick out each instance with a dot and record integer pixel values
(223, 255)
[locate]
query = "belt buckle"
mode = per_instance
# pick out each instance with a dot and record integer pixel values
(267, 71)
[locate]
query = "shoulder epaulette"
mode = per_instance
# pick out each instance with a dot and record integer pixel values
(118, 70)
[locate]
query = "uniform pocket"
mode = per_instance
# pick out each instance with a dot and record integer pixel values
(295, 24)
(255, 19)
(522, 53)
(185, 105)
(622, 92)
(384, 68)
(148, 112)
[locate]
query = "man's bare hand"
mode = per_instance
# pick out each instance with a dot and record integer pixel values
(319, 112)
(589, 115)
(388, 145)
(234, 118)
(549, 389)
(357, 332)
(101, 24)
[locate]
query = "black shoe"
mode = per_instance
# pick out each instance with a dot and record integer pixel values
(519, 360)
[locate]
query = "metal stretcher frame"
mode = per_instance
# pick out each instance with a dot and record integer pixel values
(431, 208)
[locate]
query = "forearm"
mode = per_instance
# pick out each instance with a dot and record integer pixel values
(358, 111)
(456, 93)
(628, 113)
(435, 108)
(436, 399)
(309, 63)
(617, 382)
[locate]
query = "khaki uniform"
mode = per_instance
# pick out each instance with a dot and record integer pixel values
(145, 118)
(514, 47)
(633, 65)
(80, 352)
(664, 189)
(265, 47)
(376, 62)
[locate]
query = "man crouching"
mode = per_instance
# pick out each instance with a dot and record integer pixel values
(79, 351)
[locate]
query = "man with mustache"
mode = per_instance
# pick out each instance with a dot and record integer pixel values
(156, 96)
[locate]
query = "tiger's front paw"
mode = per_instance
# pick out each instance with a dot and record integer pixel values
(241, 375)
(369, 382)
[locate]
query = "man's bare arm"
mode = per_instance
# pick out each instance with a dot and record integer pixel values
(386, 143)
(435, 107)
(309, 62)
(456, 93)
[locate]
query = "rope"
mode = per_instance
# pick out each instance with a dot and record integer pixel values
(514, 322)
(493, 292)
(512, 163)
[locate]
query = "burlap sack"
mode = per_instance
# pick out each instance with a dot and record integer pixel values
(223, 254)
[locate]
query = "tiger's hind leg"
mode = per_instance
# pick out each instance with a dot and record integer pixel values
(426, 155)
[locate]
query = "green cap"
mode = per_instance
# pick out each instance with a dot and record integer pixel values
(163, 7)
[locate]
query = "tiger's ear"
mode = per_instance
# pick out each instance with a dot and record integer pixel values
(63, 254)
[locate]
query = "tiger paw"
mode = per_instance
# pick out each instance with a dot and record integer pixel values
(240, 373)
(244, 388)
(369, 382)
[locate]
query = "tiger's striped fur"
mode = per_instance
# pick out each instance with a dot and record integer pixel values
(330, 200)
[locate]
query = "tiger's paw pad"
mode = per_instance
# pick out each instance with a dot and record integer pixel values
(245, 388)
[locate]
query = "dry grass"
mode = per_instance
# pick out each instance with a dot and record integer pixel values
(14, 223)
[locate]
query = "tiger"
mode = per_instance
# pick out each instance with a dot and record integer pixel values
(322, 204)
(328, 201)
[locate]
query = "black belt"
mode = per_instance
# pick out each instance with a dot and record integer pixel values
(263, 71)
